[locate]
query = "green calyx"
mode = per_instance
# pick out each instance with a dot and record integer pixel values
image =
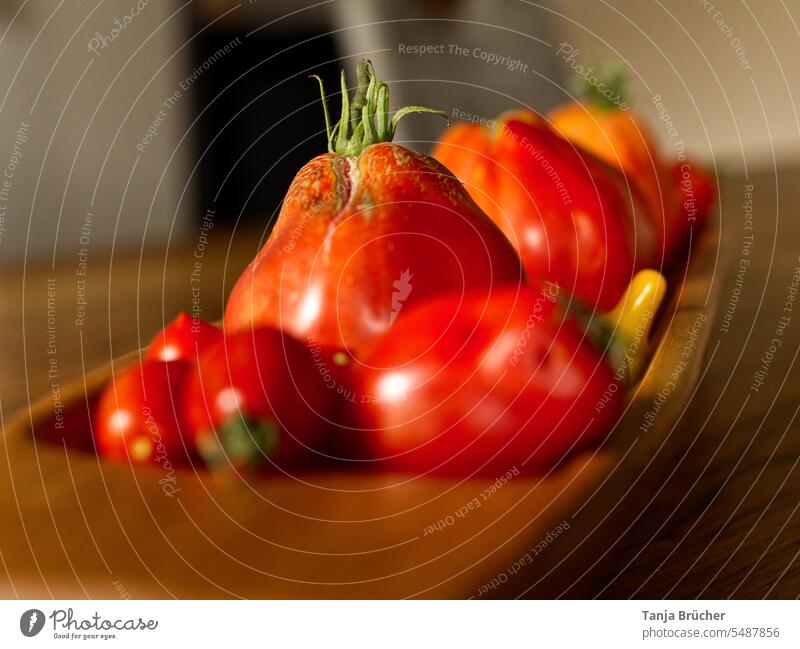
(364, 120)
(599, 334)
(608, 90)
(241, 441)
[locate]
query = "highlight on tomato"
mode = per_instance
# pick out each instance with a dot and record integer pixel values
(465, 385)
(256, 399)
(184, 338)
(137, 417)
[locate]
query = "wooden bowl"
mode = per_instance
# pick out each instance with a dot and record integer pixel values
(75, 526)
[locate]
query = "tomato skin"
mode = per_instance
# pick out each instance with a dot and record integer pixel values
(695, 193)
(351, 230)
(185, 337)
(336, 369)
(678, 195)
(477, 387)
(565, 211)
(268, 378)
(137, 416)
(619, 138)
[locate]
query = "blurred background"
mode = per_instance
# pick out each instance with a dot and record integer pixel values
(148, 114)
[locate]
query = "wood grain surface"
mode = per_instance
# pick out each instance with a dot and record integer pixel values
(721, 524)
(725, 523)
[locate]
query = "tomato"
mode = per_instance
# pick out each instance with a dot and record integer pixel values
(365, 231)
(695, 191)
(136, 418)
(616, 135)
(564, 210)
(74, 430)
(185, 337)
(256, 398)
(465, 386)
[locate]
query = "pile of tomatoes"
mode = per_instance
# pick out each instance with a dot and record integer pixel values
(454, 315)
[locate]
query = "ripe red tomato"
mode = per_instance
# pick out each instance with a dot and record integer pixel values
(257, 398)
(569, 215)
(463, 385)
(136, 418)
(364, 231)
(184, 337)
(695, 191)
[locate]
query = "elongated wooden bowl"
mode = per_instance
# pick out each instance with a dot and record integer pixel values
(75, 526)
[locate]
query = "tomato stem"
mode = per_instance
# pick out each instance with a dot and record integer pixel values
(622, 335)
(607, 91)
(324, 106)
(365, 120)
(241, 441)
(598, 332)
(633, 317)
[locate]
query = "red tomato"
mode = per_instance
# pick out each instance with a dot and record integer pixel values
(569, 215)
(695, 191)
(364, 231)
(463, 385)
(136, 418)
(255, 398)
(184, 337)
(618, 136)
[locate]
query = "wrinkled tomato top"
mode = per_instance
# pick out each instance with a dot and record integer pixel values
(360, 239)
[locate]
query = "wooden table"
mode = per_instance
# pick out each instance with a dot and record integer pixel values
(726, 524)
(722, 525)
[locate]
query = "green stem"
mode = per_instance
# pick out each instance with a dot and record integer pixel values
(328, 131)
(241, 441)
(364, 121)
(360, 98)
(609, 90)
(383, 112)
(344, 121)
(599, 334)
